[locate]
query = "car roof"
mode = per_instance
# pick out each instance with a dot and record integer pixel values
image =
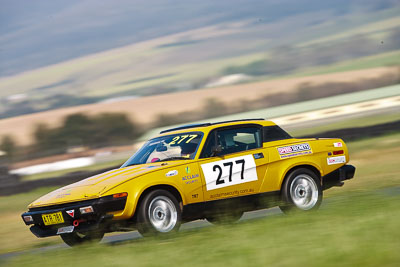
(206, 127)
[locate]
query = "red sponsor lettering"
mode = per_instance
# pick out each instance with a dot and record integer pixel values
(283, 150)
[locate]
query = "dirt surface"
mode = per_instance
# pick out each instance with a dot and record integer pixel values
(145, 109)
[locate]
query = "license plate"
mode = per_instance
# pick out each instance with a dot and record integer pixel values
(64, 230)
(52, 218)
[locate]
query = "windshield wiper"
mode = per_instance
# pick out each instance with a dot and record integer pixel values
(173, 158)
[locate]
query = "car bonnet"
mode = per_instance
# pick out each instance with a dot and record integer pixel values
(94, 186)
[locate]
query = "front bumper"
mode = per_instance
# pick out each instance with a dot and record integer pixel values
(83, 222)
(337, 177)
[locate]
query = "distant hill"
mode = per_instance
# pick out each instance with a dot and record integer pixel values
(57, 53)
(38, 33)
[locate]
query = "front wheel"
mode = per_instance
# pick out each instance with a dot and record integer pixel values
(301, 191)
(77, 238)
(159, 213)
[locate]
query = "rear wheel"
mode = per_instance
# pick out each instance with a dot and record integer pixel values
(159, 213)
(301, 191)
(77, 238)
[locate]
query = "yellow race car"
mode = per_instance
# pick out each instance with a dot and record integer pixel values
(213, 171)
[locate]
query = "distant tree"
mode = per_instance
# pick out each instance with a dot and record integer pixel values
(166, 120)
(112, 129)
(48, 140)
(214, 108)
(8, 145)
(77, 130)
(81, 130)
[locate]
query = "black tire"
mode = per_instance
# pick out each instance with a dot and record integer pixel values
(159, 213)
(76, 238)
(301, 191)
(225, 218)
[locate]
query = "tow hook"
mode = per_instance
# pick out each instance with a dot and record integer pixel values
(77, 222)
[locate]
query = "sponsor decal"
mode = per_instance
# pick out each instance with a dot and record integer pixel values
(294, 150)
(338, 144)
(71, 213)
(186, 138)
(190, 179)
(171, 173)
(336, 160)
(233, 171)
(187, 169)
(64, 230)
(296, 154)
(233, 193)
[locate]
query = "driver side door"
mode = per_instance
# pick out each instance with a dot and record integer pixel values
(239, 168)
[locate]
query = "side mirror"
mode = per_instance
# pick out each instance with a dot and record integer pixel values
(216, 150)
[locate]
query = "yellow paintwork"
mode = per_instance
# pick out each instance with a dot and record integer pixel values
(189, 181)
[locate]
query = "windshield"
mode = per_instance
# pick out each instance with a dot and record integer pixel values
(170, 147)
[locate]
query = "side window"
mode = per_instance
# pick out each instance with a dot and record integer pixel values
(233, 140)
(274, 133)
(239, 139)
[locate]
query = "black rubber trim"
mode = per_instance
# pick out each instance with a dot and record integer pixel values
(85, 227)
(188, 126)
(100, 205)
(337, 177)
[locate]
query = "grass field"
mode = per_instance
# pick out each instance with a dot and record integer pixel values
(352, 230)
(15, 236)
(358, 224)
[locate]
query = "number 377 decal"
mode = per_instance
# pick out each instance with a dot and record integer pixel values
(229, 172)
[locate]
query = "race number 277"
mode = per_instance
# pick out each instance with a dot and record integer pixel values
(229, 172)
(230, 165)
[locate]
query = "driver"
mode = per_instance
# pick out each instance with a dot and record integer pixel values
(187, 149)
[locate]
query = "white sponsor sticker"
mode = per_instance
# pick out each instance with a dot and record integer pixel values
(65, 230)
(294, 150)
(336, 160)
(171, 173)
(338, 144)
(223, 173)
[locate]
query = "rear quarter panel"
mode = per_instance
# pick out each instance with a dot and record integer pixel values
(279, 167)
